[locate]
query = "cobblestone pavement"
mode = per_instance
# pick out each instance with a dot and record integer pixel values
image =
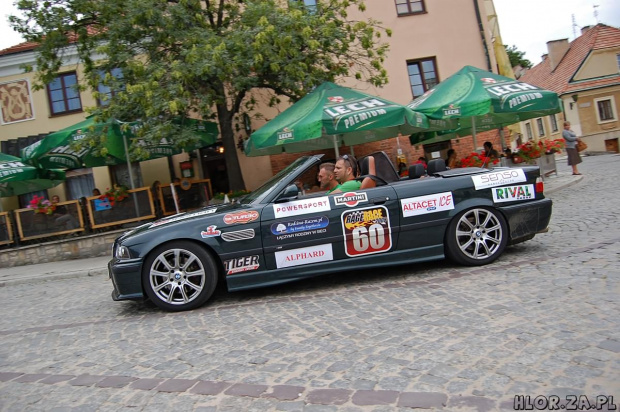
(543, 320)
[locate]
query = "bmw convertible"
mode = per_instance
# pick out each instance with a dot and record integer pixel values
(285, 231)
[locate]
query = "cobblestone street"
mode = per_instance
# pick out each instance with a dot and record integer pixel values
(543, 320)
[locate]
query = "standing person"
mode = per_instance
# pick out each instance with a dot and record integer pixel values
(490, 152)
(571, 147)
(345, 171)
(451, 160)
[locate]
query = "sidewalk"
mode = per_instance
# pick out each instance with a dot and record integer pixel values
(98, 266)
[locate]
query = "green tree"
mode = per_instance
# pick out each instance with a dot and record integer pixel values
(516, 57)
(214, 59)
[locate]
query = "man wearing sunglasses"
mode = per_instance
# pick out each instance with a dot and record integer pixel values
(346, 172)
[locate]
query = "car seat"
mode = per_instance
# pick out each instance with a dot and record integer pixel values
(435, 166)
(416, 171)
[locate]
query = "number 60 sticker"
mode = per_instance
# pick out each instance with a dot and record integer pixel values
(366, 231)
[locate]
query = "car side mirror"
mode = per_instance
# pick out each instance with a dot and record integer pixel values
(290, 193)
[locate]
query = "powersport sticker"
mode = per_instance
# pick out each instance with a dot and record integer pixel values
(240, 217)
(242, 264)
(304, 256)
(301, 207)
(350, 199)
(512, 193)
(421, 205)
(499, 178)
(300, 227)
(366, 231)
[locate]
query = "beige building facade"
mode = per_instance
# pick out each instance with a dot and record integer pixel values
(431, 40)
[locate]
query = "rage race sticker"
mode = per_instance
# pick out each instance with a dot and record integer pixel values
(366, 231)
(240, 217)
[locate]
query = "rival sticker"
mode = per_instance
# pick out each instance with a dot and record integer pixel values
(499, 178)
(210, 232)
(350, 199)
(422, 205)
(301, 207)
(512, 193)
(366, 231)
(240, 217)
(304, 256)
(242, 264)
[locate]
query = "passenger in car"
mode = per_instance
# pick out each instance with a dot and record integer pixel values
(345, 171)
(326, 177)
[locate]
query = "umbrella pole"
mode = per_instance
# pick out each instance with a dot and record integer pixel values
(336, 146)
(473, 132)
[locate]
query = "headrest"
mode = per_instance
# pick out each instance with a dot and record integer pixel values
(436, 165)
(416, 171)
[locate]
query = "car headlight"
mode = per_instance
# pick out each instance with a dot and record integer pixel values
(122, 252)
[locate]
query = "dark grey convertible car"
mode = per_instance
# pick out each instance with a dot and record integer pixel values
(280, 233)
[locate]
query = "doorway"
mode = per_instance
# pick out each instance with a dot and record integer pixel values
(214, 168)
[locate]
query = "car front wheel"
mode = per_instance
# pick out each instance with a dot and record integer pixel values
(179, 276)
(476, 236)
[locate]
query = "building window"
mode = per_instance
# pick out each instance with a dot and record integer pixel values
(554, 123)
(422, 76)
(528, 129)
(406, 7)
(64, 95)
(605, 109)
(106, 92)
(541, 128)
(310, 5)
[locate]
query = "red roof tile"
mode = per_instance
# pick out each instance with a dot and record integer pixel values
(560, 80)
(18, 48)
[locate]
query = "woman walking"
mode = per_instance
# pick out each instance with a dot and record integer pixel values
(571, 147)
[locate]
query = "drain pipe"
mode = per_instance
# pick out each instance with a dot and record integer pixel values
(484, 40)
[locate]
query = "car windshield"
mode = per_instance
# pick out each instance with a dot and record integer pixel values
(267, 188)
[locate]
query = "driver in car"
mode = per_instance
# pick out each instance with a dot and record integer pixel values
(345, 172)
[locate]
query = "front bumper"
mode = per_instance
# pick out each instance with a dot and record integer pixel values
(127, 279)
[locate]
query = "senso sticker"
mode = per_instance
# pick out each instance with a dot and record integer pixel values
(499, 178)
(304, 255)
(422, 205)
(512, 193)
(301, 207)
(211, 231)
(366, 231)
(240, 217)
(350, 199)
(242, 264)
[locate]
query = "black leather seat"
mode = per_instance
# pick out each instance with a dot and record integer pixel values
(416, 171)
(436, 165)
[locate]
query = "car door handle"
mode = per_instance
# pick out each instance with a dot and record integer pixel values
(379, 200)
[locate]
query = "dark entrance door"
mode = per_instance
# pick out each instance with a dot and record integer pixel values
(214, 168)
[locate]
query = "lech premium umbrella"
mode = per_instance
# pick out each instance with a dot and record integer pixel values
(330, 116)
(56, 150)
(473, 99)
(17, 178)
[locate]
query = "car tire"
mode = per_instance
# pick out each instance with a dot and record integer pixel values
(476, 236)
(179, 276)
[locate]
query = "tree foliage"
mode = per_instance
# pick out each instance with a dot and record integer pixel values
(211, 59)
(516, 57)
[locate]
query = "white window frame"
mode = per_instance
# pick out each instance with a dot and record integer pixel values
(614, 111)
(540, 125)
(528, 130)
(554, 123)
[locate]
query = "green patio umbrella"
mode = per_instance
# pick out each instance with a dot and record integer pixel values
(55, 150)
(331, 116)
(473, 99)
(18, 178)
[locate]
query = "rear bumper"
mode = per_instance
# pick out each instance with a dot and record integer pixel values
(126, 278)
(528, 218)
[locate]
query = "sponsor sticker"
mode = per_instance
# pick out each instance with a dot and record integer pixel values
(242, 264)
(452, 111)
(512, 193)
(499, 178)
(300, 227)
(301, 207)
(183, 216)
(350, 199)
(422, 205)
(304, 256)
(211, 231)
(285, 134)
(366, 231)
(240, 217)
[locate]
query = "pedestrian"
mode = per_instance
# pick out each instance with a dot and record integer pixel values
(451, 159)
(490, 152)
(571, 147)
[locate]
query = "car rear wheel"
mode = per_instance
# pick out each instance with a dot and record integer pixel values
(179, 276)
(476, 236)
